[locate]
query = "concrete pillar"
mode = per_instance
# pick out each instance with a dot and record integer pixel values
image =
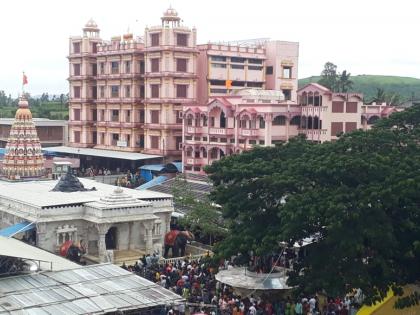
(267, 131)
(101, 247)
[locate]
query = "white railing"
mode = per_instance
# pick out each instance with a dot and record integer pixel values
(176, 259)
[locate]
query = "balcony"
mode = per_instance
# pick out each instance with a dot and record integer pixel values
(196, 161)
(192, 129)
(221, 131)
(249, 132)
(313, 132)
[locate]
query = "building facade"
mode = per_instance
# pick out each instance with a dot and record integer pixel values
(231, 124)
(110, 221)
(128, 94)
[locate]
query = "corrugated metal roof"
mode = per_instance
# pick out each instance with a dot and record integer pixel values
(96, 289)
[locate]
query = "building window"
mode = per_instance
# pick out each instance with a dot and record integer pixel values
(255, 61)
(102, 91)
(218, 65)
(338, 107)
(155, 64)
(76, 114)
(287, 72)
(178, 143)
(157, 229)
(127, 91)
(256, 68)
(115, 138)
(178, 117)
(127, 116)
(94, 68)
(102, 115)
(102, 68)
(252, 142)
(155, 90)
(336, 128)
(115, 91)
(154, 39)
(262, 123)
(76, 135)
(237, 66)
(76, 69)
(142, 91)
(154, 142)
(279, 121)
(94, 48)
(350, 126)
(269, 70)
(182, 40)
(181, 90)
(76, 48)
(254, 84)
(141, 115)
(237, 59)
(115, 67)
(351, 107)
(127, 67)
(115, 115)
(218, 58)
(181, 64)
(76, 91)
(287, 94)
(154, 116)
(141, 141)
(141, 66)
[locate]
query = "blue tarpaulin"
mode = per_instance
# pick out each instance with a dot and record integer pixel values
(17, 228)
(155, 181)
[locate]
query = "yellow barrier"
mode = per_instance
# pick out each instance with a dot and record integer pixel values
(369, 310)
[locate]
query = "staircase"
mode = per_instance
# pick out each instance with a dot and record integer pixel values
(128, 256)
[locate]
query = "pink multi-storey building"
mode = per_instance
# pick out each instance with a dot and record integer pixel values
(128, 93)
(230, 124)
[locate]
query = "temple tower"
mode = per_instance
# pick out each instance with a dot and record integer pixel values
(23, 157)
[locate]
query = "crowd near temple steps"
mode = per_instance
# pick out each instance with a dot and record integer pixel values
(91, 217)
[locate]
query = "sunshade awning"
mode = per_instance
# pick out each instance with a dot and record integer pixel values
(17, 228)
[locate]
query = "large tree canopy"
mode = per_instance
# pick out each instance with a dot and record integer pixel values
(361, 194)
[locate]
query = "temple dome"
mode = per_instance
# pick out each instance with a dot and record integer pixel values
(170, 15)
(23, 157)
(118, 197)
(91, 24)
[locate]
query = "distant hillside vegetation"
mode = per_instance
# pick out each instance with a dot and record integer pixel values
(367, 84)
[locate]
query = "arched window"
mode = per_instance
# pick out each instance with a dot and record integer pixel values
(310, 98)
(279, 121)
(222, 120)
(316, 99)
(214, 153)
(262, 123)
(372, 120)
(304, 99)
(310, 122)
(189, 120)
(316, 123)
(295, 121)
(304, 122)
(203, 152)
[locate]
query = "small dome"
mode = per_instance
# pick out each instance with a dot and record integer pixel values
(171, 15)
(170, 12)
(91, 24)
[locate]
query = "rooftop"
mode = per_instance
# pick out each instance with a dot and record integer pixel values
(96, 289)
(12, 247)
(39, 194)
(102, 153)
(38, 122)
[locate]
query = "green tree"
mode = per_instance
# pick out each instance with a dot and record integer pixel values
(344, 82)
(358, 194)
(202, 215)
(329, 77)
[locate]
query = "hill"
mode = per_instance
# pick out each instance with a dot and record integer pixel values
(367, 84)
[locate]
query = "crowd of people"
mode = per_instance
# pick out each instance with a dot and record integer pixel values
(195, 281)
(127, 178)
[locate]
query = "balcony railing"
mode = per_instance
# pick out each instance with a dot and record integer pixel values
(196, 161)
(249, 132)
(221, 131)
(313, 132)
(192, 129)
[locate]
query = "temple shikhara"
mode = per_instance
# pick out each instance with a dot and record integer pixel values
(23, 157)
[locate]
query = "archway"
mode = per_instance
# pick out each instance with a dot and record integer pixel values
(111, 238)
(222, 120)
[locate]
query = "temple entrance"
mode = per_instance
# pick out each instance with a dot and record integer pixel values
(111, 238)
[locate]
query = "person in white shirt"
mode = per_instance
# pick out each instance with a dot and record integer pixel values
(252, 310)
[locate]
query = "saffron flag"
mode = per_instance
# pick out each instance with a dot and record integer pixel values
(24, 79)
(228, 84)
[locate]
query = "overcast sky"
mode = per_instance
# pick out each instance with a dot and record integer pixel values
(362, 36)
